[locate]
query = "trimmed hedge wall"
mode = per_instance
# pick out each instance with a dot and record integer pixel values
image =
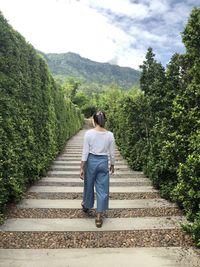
(35, 119)
(158, 131)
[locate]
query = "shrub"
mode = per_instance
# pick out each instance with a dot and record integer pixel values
(35, 119)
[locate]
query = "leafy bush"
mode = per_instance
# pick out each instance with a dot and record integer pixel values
(36, 120)
(187, 191)
(158, 132)
(194, 229)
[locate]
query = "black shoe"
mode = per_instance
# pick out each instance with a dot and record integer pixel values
(84, 208)
(98, 222)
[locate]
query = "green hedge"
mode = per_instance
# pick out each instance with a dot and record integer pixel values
(167, 153)
(35, 119)
(158, 131)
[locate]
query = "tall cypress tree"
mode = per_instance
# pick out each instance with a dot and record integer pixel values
(147, 75)
(187, 117)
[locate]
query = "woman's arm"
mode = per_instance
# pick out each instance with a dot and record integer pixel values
(112, 155)
(84, 156)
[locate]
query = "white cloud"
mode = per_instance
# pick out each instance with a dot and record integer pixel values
(122, 7)
(61, 26)
(112, 30)
(132, 58)
(193, 2)
(158, 6)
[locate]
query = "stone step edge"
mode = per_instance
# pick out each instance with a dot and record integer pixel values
(75, 179)
(76, 168)
(87, 224)
(113, 204)
(118, 172)
(98, 257)
(65, 189)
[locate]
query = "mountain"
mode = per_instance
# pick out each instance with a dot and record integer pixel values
(88, 71)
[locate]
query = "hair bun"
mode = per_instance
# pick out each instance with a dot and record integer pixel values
(99, 118)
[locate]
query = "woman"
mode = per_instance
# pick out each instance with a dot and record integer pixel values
(98, 145)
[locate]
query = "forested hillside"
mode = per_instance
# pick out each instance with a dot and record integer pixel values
(87, 71)
(35, 118)
(158, 129)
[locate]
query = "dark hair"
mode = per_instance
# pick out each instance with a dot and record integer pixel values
(99, 118)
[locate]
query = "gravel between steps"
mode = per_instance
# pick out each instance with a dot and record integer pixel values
(113, 239)
(15, 212)
(118, 196)
(119, 239)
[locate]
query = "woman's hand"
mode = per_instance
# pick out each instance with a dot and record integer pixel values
(82, 170)
(112, 169)
(82, 174)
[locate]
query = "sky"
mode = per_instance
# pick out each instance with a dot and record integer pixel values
(114, 31)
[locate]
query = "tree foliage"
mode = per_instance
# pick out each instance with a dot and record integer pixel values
(158, 131)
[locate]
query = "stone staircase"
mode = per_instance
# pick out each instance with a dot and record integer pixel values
(48, 228)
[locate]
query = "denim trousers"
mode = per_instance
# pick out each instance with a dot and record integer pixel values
(96, 174)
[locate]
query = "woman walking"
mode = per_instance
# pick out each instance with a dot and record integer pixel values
(98, 145)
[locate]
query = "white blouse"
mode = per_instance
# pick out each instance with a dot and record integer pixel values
(99, 143)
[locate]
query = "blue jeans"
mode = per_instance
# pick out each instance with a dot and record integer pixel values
(96, 174)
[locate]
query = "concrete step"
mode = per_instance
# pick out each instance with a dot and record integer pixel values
(117, 174)
(113, 204)
(79, 153)
(75, 144)
(77, 162)
(79, 150)
(71, 153)
(98, 257)
(87, 224)
(68, 155)
(71, 184)
(77, 159)
(67, 159)
(112, 180)
(65, 189)
(77, 168)
(61, 232)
